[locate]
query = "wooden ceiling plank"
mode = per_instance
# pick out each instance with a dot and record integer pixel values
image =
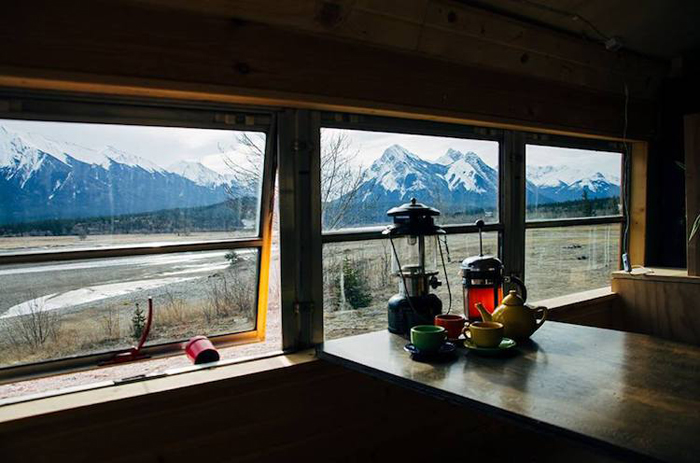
(186, 50)
(386, 24)
(437, 42)
(478, 23)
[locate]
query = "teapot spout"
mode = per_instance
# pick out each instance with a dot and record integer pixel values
(485, 315)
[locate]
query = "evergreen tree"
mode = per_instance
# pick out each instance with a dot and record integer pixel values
(356, 291)
(138, 323)
(587, 206)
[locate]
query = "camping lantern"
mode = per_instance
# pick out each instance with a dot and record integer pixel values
(482, 281)
(415, 248)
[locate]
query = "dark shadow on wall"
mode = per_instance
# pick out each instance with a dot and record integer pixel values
(680, 95)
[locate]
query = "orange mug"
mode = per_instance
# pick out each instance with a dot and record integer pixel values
(453, 324)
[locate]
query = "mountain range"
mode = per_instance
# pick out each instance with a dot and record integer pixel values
(46, 179)
(41, 179)
(460, 183)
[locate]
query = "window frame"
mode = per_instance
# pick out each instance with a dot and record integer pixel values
(512, 223)
(293, 152)
(593, 144)
(61, 107)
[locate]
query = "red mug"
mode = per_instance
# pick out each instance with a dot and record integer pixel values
(200, 350)
(453, 324)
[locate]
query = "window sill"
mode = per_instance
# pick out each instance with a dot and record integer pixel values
(593, 296)
(96, 393)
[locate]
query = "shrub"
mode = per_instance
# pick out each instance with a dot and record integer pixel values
(229, 292)
(109, 321)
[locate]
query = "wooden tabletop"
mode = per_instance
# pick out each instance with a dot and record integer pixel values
(630, 394)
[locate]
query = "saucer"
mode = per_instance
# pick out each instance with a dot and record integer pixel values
(444, 352)
(506, 345)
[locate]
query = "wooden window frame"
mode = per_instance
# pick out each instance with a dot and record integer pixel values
(48, 106)
(512, 224)
(293, 147)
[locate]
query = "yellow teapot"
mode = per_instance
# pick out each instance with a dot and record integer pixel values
(519, 319)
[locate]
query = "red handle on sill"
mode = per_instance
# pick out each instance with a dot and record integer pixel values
(134, 353)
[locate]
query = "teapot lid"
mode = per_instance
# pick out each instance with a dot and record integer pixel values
(513, 298)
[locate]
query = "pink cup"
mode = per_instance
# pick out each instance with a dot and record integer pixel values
(200, 350)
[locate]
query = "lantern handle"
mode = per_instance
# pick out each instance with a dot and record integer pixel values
(480, 225)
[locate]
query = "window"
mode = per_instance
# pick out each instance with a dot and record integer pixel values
(368, 168)
(105, 204)
(566, 239)
(583, 187)
(164, 202)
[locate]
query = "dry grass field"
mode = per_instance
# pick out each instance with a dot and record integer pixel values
(559, 261)
(57, 310)
(82, 307)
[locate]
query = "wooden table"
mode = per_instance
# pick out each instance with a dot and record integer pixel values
(635, 396)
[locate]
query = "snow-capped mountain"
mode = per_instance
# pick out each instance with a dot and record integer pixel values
(459, 183)
(467, 171)
(199, 173)
(461, 180)
(565, 183)
(398, 172)
(42, 178)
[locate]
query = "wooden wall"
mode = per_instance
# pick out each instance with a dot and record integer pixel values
(663, 303)
(597, 308)
(212, 50)
(309, 412)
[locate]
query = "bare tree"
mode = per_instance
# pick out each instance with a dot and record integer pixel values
(341, 176)
(247, 171)
(32, 328)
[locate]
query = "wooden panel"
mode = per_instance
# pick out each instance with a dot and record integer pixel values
(106, 43)
(453, 31)
(661, 305)
(638, 204)
(692, 189)
(311, 412)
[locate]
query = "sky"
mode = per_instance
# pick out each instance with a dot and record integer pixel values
(162, 145)
(168, 145)
(371, 145)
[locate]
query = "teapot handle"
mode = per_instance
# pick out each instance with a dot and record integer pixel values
(544, 311)
(519, 283)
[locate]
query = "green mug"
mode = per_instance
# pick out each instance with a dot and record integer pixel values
(428, 338)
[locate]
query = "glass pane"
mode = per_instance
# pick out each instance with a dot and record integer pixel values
(60, 309)
(77, 185)
(565, 182)
(560, 261)
(364, 174)
(357, 281)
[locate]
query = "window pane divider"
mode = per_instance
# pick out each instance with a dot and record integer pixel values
(375, 233)
(572, 222)
(32, 258)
